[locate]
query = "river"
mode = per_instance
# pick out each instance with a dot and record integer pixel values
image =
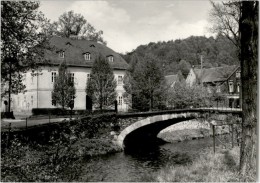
(142, 163)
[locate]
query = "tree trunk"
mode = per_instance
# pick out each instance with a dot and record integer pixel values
(249, 53)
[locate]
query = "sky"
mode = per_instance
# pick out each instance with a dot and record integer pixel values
(127, 24)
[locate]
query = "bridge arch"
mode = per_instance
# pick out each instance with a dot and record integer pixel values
(149, 127)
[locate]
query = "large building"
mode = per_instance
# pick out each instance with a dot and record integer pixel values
(79, 56)
(224, 80)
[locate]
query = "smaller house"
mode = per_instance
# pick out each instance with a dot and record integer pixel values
(223, 80)
(172, 80)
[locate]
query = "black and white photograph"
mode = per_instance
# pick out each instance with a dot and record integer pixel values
(129, 91)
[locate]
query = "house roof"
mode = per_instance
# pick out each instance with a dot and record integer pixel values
(170, 79)
(215, 74)
(75, 49)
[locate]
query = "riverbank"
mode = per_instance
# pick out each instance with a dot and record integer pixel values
(223, 166)
(59, 156)
(190, 130)
(51, 163)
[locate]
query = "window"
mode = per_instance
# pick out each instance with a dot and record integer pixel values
(71, 76)
(87, 56)
(120, 100)
(238, 87)
(231, 86)
(31, 100)
(110, 58)
(238, 74)
(24, 101)
(53, 77)
(61, 54)
(120, 80)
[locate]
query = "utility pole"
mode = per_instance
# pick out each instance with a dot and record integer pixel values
(201, 61)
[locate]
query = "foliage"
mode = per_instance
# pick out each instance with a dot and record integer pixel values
(60, 158)
(216, 52)
(209, 167)
(30, 162)
(216, 96)
(102, 85)
(184, 68)
(56, 111)
(22, 42)
(63, 90)
(146, 83)
(128, 78)
(183, 96)
(74, 24)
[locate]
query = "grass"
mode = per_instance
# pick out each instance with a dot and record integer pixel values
(222, 166)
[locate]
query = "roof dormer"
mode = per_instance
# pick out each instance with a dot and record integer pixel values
(110, 58)
(61, 53)
(87, 56)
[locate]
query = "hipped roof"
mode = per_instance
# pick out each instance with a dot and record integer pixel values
(75, 49)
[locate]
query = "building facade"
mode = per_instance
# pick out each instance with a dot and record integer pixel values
(79, 56)
(222, 80)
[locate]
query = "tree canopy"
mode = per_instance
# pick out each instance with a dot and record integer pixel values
(170, 55)
(22, 42)
(101, 87)
(64, 90)
(146, 83)
(225, 18)
(73, 24)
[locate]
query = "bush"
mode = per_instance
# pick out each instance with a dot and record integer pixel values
(57, 111)
(9, 115)
(59, 158)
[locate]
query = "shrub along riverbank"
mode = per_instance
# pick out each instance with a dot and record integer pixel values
(58, 157)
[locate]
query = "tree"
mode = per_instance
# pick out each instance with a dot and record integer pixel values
(63, 91)
(101, 87)
(225, 17)
(184, 67)
(183, 96)
(249, 63)
(147, 84)
(74, 24)
(22, 45)
(128, 78)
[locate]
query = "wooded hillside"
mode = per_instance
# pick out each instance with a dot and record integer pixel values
(181, 54)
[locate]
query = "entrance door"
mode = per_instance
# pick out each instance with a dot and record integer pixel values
(88, 103)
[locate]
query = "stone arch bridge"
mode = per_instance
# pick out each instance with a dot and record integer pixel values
(146, 129)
